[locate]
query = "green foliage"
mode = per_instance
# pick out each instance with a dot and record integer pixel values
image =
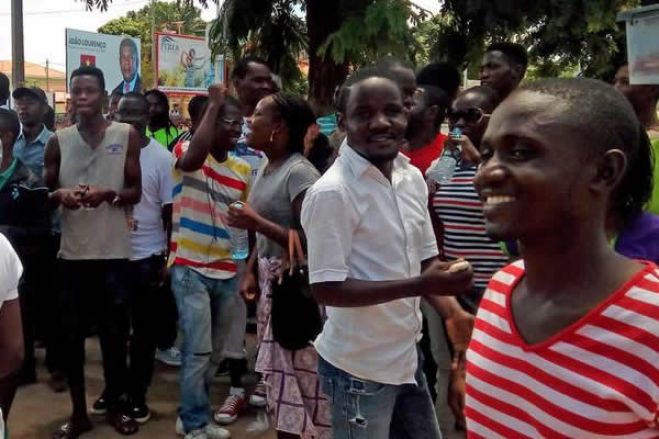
(382, 29)
(139, 23)
(266, 29)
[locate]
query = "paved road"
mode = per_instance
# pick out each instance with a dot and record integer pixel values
(37, 411)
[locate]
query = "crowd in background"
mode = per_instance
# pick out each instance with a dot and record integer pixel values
(496, 277)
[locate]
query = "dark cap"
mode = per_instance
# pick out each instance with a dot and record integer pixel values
(33, 92)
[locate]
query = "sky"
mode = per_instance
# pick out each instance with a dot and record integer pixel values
(44, 22)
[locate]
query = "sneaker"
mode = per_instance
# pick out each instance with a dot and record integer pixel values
(100, 407)
(229, 411)
(258, 398)
(210, 432)
(170, 356)
(139, 412)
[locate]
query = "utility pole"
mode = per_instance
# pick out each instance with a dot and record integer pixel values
(47, 74)
(154, 41)
(17, 54)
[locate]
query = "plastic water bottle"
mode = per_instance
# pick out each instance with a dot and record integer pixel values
(443, 169)
(239, 239)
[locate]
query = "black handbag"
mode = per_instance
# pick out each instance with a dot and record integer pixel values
(296, 319)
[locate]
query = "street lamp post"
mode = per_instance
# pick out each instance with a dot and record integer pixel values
(17, 54)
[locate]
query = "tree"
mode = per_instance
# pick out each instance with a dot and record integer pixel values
(558, 33)
(138, 24)
(338, 34)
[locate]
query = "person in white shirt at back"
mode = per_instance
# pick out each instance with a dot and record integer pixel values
(372, 256)
(151, 223)
(11, 329)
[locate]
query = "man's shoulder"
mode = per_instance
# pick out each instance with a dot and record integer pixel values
(239, 166)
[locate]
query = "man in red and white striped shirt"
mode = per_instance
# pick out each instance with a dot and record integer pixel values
(566, 342)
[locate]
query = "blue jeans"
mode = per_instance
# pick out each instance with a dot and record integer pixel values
(364, 409)
(199, 300)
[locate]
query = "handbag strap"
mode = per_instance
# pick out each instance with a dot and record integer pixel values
(295, 251)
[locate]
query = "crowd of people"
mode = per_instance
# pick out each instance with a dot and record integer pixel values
(513, 293)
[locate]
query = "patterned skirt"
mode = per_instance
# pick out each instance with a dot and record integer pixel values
(295, 400)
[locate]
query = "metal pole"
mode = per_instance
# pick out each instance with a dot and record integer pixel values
(153, 43)
(47, 74)
(17, 54)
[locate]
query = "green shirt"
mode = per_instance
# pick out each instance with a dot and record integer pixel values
(164, 136)
(7, 173)
(653, 206)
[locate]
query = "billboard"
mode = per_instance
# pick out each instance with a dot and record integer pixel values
(117, 56)
(642, 49)
(184, 64)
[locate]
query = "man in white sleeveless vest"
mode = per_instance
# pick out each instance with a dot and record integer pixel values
(93, 171)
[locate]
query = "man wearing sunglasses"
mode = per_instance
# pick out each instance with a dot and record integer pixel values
(503, 67)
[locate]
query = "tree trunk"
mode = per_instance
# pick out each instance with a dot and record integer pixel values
(323, 19)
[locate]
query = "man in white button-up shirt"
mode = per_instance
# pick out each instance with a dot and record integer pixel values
(372, 255)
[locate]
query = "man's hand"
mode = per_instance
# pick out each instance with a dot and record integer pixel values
(470, 153)
(69, 198)
(243, 216)
(447, 278)
(456, 397)
(216, 93)
(93, 196)
(249, 287)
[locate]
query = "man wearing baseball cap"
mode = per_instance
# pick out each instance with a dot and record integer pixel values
(31, 105)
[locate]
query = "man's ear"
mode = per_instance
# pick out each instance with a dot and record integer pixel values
(610, 170)
(340, 120)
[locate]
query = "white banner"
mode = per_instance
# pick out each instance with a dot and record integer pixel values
(184, 64)
(117, 56)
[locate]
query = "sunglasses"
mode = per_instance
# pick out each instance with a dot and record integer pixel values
(470, 115)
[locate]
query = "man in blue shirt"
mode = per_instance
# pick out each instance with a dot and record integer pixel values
(31, 105)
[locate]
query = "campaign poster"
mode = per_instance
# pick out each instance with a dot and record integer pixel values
(117, 56)
(642, 48)
(184, 64)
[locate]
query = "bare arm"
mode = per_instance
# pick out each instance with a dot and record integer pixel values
(11, 352)
(203, 138)
(436, 279)
(132, 190)
(246, 218)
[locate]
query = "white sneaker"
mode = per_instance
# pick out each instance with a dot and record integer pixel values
(199, 433)
(210, 431)
(258, 397)
(170, 356)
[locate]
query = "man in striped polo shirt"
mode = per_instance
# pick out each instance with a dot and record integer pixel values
(207, 181)
(565, 342)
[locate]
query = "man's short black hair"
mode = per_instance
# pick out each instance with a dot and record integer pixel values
(435, 96)
(362, 74)
(607, 121)
(139, 97)
(490, 94)
(442, 75)
(242, 66)
(514, 53)
(9, 121)
(90, 71)
(196, 107)
(4, 88)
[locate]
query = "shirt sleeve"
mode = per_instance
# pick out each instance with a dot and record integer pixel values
(302, 176)
(329, 226)
(11, 270)
(429, 247)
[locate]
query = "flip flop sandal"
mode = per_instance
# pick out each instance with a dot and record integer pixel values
(124, 425)
(71, 430)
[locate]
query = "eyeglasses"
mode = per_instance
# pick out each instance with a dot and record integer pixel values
(470, 115)
(232, 123)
